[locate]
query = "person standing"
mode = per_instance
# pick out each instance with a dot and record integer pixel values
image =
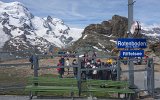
(62, 60)
(98, 65)
(31, 60)
(114, 71)
(94, 72)
(88, 72)
(75, 69)
(67, 65)
(59, 69)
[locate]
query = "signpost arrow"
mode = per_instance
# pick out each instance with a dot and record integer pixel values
(132, 53)
(131, 43)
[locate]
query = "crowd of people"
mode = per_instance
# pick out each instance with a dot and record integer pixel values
(93, 64)
(109, 73)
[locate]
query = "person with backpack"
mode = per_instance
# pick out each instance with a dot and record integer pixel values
(62, 60)
(31, 61)
(60, 71)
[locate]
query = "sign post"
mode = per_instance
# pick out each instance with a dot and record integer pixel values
(132, 53)
(131, 44)
(130, 21)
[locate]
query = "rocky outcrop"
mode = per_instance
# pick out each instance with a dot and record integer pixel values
(102, 36)
(119, 26)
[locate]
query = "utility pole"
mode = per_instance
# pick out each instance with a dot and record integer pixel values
(130, 63)
(130, 14)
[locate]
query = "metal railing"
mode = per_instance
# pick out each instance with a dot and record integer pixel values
(36, 58)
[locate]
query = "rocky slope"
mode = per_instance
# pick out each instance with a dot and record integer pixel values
(102, 37)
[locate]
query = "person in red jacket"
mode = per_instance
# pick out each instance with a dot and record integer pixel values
(60, 71)
(146, 57)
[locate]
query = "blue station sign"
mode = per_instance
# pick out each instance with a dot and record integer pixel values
(131, 43)
(132, 53)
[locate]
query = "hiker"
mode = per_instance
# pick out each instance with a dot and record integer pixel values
(60, 72)
(67, 65)
(106, 74)
(31, 61)
(145, 58)
(89, 72)
(109, 71)
(83, 66)
(94, 73)
(98, 65)
(114, 72)
(34, 60)
(62, 60)
(93, 61)
(75, 69)
(85, 58)
(94, 55)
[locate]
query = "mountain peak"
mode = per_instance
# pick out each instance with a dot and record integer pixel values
(21, 30)
(16, 10)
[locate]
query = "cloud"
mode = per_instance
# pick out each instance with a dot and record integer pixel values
(74, 10)
(84, 12)
(147, 11)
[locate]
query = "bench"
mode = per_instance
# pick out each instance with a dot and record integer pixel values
(46, 84)
(108, 86)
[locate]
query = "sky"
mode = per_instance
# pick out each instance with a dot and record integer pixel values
(81, 13)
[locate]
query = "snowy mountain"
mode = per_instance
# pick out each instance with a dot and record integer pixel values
(152, 32)
(21, 30)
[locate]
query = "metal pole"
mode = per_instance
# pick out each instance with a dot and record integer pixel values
(130, 21)
(79, 75)
(149, 76)
(152, 77)
(130, 14)
(118, 70)
(35, 63)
